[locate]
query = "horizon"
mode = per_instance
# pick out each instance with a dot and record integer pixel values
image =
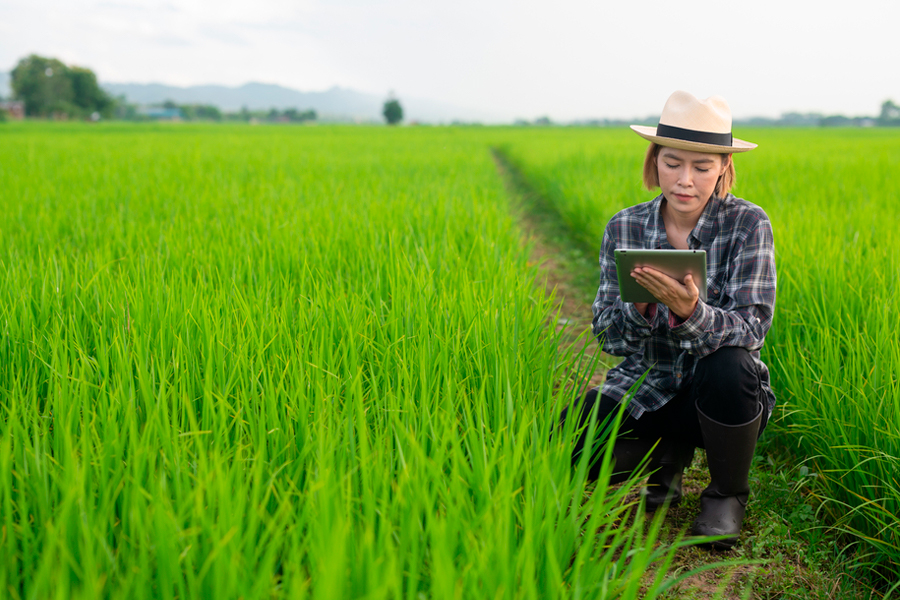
(336, 87)
(575, 60)
(595, 117)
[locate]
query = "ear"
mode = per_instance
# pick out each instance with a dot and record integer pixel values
(726, 160)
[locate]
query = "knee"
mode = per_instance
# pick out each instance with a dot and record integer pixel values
(726, 355)
(727, 369)
(727, 386)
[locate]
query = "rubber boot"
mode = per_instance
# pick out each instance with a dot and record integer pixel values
(729, 452)
(668, 462)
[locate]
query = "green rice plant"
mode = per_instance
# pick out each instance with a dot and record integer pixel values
(243, 362)
(836, 353)
(833, 350)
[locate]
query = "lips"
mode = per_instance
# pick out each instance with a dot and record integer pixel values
(684, 197)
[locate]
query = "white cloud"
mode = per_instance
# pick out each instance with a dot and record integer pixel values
(567, 59)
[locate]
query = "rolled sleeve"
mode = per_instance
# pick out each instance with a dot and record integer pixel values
(694, 326)
(745, 318)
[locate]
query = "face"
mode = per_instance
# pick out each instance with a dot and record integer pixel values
(688, 179)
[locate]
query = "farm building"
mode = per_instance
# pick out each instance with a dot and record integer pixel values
(161, 113)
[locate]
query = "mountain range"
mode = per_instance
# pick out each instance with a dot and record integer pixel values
(333, 104)
(337, 103)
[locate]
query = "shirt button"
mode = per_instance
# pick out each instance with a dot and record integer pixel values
(677, 375)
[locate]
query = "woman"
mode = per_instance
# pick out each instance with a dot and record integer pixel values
(705, 385)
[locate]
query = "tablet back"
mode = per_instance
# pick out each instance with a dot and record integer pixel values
(674, 263)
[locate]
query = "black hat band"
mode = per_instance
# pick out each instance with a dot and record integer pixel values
(692, 135)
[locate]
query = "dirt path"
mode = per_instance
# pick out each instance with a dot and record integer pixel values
(567, 270)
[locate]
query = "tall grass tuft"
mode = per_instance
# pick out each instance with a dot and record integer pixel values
(272, 363)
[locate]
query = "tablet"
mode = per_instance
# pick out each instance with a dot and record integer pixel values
(674, 263)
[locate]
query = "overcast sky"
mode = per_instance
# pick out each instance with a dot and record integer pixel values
(566, 59)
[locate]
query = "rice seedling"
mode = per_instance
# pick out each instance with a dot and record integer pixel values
(266, 363)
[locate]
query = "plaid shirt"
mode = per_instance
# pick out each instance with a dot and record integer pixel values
(740, 271)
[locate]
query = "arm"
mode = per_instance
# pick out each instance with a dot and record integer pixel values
(746, 317)
(622, 327)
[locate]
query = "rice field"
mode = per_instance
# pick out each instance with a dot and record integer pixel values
(268, 362)
(286, 362)
(833, 350)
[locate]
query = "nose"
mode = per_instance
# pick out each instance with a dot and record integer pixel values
(685, 178)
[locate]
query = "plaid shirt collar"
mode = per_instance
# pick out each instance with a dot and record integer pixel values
(702, 234)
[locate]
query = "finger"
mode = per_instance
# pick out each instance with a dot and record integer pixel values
(654, 286)
(661, 277)
(648, 272)
(669, 283)
(655, 278)
(641, 276)
(691, 286)
(665, 288)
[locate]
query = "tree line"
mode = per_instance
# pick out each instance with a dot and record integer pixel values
(51, 89)
(169, 109)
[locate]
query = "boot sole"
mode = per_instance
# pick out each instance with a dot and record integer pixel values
(720, 545)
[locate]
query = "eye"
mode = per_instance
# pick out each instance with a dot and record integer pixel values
(671, 166)
(702, 170)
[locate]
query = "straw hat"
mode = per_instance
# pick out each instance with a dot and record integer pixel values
(691, 124)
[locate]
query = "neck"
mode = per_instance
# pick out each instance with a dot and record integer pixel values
(681, 221)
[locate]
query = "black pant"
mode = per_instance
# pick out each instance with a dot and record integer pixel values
(725, 386)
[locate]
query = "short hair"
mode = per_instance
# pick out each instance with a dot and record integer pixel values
(651, 171)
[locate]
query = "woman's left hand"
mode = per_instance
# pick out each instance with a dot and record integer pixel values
(681, 299)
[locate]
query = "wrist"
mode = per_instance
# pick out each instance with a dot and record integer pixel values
(684, 313)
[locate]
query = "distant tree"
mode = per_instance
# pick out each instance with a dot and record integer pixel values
(835, 121)
(296, 116)
(393, 112)
(126, 111)
(43, 84)
(890, 113)
(208, 112)
(88, 95)
(200, 112)
(273, 115)
(47, 86)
